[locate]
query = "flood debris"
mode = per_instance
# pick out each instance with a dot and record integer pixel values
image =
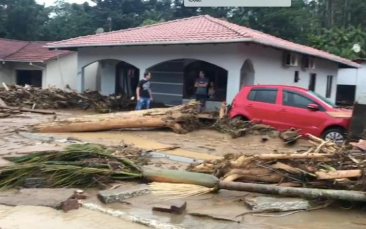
(327, 166)
(237, 127)
(78, 165)
(176, 207)
(6, 112)
(121, 193)
(181, 119)
(55, 98)
(37, 197)
(273, 204)
(136, 219)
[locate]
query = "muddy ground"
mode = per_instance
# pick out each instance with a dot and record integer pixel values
(199, 145)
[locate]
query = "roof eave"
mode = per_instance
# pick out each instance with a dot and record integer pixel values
(149, 43)
(353, 64)
(23, 61)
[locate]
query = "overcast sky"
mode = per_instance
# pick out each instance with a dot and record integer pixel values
(51, 2)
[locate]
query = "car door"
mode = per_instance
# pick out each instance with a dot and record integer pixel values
(295, 113)
(263, 105)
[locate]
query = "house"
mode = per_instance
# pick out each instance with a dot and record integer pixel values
(24, 62)
(175, 51)
(351, 83)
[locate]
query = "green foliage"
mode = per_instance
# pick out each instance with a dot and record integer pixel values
(340, 41)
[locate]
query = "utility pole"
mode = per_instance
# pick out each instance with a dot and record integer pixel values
(109, 19)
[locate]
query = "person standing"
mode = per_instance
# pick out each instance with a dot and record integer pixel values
(201, 89)
(143, 92)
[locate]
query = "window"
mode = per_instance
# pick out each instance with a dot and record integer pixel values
(294, 99)
(296, 77)
(312, 82)
(328, 93)
(263, 95)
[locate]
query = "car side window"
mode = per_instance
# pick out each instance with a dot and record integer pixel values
(294, 99)
(263, 95)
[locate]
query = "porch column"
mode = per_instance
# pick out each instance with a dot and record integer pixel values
(80, 80)
(142, 72)
(233, 84)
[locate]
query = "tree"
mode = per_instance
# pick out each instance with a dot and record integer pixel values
(69, 20)
(340, 41)
(22, 19)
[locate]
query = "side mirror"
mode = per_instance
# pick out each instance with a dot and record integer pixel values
(313, 107)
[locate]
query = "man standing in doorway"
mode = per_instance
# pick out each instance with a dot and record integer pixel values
(143, 92)
(201, 89)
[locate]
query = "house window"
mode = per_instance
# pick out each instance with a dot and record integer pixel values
(296, 77)
(328, 93)
(263, 95)
(312, 83)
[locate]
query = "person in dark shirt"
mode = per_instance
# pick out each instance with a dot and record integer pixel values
(201, 89)
(143, 92)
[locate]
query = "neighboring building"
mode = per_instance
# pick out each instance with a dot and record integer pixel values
(175, 52)
(24, 62)
(351, 83)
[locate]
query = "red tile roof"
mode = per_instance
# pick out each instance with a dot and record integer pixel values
(199, 29)
(27, 51)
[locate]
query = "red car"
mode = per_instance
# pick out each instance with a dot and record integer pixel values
(284, 107)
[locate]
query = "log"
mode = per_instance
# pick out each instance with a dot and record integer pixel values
(179, 119)
(6, 86)
(310, 193)
(2, 103)
(28, 110)
(331, 175)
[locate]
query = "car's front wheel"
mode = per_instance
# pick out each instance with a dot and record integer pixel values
(336, 135)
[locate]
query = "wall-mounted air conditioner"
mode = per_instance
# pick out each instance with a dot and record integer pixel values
(290, 59)
(308, 62)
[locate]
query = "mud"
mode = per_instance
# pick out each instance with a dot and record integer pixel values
(198, 145)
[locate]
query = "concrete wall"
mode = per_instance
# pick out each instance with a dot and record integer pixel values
(267, 63)
(357, 77)
(361, 82)
(347, 76)
(6, 74)
(268, 67)
(62, 72)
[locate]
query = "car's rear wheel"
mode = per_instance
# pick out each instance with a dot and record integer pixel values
(336, 135)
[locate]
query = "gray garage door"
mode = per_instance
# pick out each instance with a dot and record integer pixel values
(167, 82)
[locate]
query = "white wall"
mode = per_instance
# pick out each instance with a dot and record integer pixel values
(268, 67)
(267, 63)
(6, 75)
(108, 76)
(347, 76)
(62, 72)
(361, 82)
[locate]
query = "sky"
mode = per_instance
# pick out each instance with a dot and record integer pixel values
(51, 2)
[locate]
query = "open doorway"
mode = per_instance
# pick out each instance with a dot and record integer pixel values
(127, 78)
(30, 77)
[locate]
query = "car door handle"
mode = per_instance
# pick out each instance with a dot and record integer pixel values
(249, 105)
(283, 110)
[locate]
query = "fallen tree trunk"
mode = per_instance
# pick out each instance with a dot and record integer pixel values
(310, 193)
(180, 119)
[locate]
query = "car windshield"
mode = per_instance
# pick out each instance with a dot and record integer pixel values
(326, 101)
